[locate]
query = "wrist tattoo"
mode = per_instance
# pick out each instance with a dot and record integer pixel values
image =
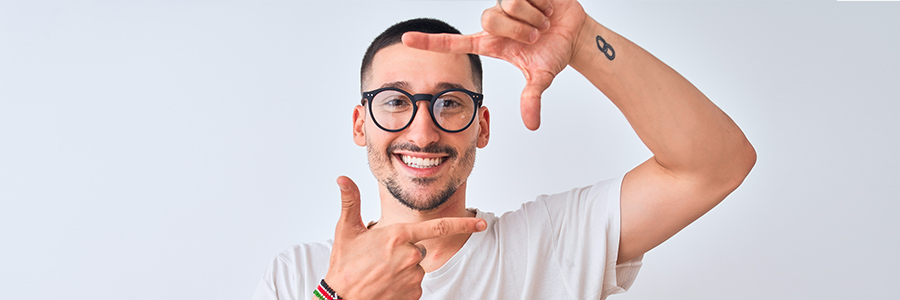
(606, 48)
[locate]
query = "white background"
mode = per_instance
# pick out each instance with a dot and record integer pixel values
(169, 149)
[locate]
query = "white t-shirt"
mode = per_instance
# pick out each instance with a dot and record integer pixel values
(561, 246)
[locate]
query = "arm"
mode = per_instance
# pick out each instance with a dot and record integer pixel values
(700, 155)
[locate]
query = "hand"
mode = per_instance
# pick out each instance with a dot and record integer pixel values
(515, 31)
(383, 263)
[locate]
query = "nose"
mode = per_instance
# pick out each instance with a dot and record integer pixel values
(422, 131)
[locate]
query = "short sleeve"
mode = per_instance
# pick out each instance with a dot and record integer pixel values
(276, 282)
(586, 225)
(295, 272)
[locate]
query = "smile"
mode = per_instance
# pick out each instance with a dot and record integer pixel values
(421, 162)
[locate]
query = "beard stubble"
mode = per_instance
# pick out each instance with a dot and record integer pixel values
(403, 195)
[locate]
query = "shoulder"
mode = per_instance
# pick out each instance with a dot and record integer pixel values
(605, 190)
(294, 271)
(307, 261)
(570, 216)
(601, 197)
(304, 252)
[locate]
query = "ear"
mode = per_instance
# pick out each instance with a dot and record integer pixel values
(484, 127)
(359, 125)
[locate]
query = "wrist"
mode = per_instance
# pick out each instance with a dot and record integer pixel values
(587, 50)
(334, 285)
(325, 292)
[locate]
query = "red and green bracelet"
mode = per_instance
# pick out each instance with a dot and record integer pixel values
(324, 292)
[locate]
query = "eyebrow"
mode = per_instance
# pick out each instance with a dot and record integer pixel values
(404, 85)
(396, 84)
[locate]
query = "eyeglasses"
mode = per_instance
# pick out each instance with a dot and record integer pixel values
(393, 109)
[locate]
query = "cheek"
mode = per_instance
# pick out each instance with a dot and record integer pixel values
(379, 161)
(377, 142)
(469, 138)
(371, 132)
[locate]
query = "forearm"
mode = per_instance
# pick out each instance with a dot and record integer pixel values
(686, 132)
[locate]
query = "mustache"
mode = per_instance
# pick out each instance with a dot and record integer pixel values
(431, 148)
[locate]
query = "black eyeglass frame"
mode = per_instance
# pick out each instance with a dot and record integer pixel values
(370, 96)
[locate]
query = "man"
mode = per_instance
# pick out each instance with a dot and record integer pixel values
(421, 118)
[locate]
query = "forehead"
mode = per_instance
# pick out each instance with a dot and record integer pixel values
(419, 70)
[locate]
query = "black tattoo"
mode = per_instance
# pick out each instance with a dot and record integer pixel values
(606, 48)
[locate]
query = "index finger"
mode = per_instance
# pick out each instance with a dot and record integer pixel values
(443, 227)
(443, 42)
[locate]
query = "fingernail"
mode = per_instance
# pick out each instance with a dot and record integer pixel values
(534, 36)
(480, 226)
(343, 187)
(546, 25)
(549, 12)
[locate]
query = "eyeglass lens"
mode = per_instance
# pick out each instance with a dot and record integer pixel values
(393, 110)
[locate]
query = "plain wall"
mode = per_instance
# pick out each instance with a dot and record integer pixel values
(169, 149)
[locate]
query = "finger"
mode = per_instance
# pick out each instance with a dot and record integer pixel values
(442, 42)
(526, 12)
(443, 227)
(350, 220)
(544, 6)
(422, 250)
(419, 274)
(530, 104)
(494, 21)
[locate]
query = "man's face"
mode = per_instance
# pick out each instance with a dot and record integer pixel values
(422, 166)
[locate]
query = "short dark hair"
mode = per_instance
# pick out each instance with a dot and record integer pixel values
(393, 34)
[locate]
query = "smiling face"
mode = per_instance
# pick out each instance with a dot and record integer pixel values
(421, 166)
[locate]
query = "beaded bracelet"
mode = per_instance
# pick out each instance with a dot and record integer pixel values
(324, 292)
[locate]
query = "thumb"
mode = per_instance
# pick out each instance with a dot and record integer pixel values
(530, 104)
(350, 221)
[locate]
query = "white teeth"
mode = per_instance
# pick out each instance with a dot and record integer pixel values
(421, 163)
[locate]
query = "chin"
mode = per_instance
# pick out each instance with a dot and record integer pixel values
(417, 199)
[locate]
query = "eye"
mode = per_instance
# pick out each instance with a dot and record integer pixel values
(449, 102)
(396, 102)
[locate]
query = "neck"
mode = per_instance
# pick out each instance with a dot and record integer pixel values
(439, 250)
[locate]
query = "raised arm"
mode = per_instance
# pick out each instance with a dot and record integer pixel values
(700, 154)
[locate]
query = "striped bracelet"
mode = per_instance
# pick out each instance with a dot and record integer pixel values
(324, 292)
